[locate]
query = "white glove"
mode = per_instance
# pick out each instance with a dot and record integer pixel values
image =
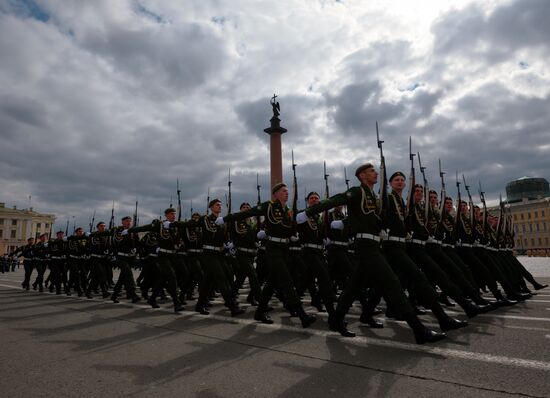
(124, 232)
(166, 224)
(261, 234)
(64, 239)
(229, 245)
(46, 244)
(87, 233)
(157, 250)
(301, 217)
(337, 224)
(294, 238)
(384, 235)
(327, 241)
(219, 221)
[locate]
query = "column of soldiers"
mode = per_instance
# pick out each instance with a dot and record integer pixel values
(351, 246)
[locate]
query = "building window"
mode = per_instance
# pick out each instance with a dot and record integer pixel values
(521, 215)
(46, 225)
(38, 225)
(530, 227)
(546, 241)
(528, 216)
(1, 233)
(13, 222)
(536, 214)
(523, 227)
(538, 229)
(525, 242)
(1, 221)
(540, 241)
(518, 242)
(544, 225)
(532, 241)
(515, 217)
(541, 213)
(13, 232)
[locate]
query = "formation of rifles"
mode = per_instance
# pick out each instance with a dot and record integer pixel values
(355, 245)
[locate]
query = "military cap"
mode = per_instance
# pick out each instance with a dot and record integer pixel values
(276, 187)
(60, 232)
(170, 210)
(363, 167)
(99, 223)
(126, 218)
(195, 214)
(244, 204)
(213, 202)
(312, 193)
(397, 174)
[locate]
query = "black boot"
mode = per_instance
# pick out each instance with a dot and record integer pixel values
(421, 333)
(201, 309)
(445, 321)
(471, 309)
(336, 324)
(305, 318)
(538, 286)
(136, 299)
(369, 320)
(178, 306)
(444, 299)
(503, 301)
(235, 309)
(261, 315)
(114, 298)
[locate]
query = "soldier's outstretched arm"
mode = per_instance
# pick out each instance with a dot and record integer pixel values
(340, 199)
(252, 212)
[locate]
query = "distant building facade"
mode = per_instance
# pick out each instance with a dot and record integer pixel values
(17, 225)
(529, 202)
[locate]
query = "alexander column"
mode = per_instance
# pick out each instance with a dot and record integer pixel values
(275, 132)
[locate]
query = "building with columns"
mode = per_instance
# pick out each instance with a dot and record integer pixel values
(17, 225)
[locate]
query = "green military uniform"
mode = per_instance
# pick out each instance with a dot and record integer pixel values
(58, 249)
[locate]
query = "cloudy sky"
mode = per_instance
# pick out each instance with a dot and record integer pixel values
(115, 100)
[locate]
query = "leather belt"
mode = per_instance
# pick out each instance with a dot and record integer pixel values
(313, 246)
(99, 256)
(278, 240)
(447, 245)
(213, 248)
(77, 257)
(478, 245)
(418, 242)
(152, 255)
(261, 248)
(194, 250)
(338, 243)
(295, 248)
(245, 250)
(363, 235)
(433, 241)
(464, 245)
(59, 258)
(125, 254)
(168, 251)
(396, 239)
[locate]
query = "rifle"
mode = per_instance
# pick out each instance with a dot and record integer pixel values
(191, 209)
(412, 182)
(67, 228)
(471, 202)
(295, 193)
(92, 223)
(207, 200)
(179, 198)
(443, 191)
(426, 192)
(229, 193)
(136, 214)
(327, 195)
(482, 198)
(383, 191)
(259, 199)
(112, 220)
(458, 211)
(346, 178)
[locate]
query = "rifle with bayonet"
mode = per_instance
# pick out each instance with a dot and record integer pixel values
(327, 195)
(346, 178)
(258, 199)
(383, 191)
(443, 191)
(485, 215)
(470, 204)
(67, 229)
(178, 191)
(92, 223)
(427, 204)
(294, 193)
(136, 214)
(410, 195)
(229, 193)
(458, 208)
(112, 220)
(207, 200)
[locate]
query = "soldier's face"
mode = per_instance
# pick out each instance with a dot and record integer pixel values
(79, 232)
(245, 207)
(43, 238)
(313, 200)
(60, 235)
(171, 216)
(127, 223)
(398, 183)
(449, 205)
(195, 217)
(418, 194)
(101, 227)
(477, 213)
(433, 199)
(216, 208)
(368, 176)
(463, 208)
(281, 195)
(30, 241)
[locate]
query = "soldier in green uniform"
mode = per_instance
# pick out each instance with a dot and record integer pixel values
(243, 233)
(212, 256)
(167, 259)
(465, 240)
(41, 258)
(27, 253)
(340, 265)
(373, 270)
(278, 230)
(78, 254)
(58, 248)
(150, 271)
(98, 246)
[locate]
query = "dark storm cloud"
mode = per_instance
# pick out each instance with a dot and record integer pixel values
(508, 28)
